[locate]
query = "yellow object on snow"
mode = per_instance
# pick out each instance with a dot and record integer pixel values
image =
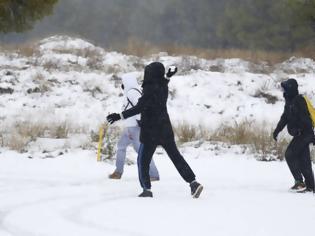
(311, 109)
(100, 143)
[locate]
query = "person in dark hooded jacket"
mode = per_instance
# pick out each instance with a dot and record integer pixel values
(299, 124)
(156, 128)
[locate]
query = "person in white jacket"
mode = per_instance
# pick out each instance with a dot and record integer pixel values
(131, 131)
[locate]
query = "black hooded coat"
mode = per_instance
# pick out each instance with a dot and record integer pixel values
(295, 116)
(155, 125)
(299, 124)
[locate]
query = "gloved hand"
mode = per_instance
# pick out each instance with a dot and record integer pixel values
(111, 118)
(171, 71)
(275, 136)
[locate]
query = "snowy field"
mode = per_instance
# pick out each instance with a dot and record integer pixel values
(72, 195)
(51, 101)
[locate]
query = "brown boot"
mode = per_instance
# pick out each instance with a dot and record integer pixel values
(115, 175)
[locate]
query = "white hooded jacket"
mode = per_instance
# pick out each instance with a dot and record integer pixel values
(132, 93)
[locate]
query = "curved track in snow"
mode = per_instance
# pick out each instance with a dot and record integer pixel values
(72, 196)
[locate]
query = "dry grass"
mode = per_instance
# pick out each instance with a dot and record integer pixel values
(94, 56)
(86, 52)
(22, 133)
(142, 48)
(139, 48)
(186, 132)
(256, 137)
(51, 65)
(43, 84)
(28, 49)
(17, 142)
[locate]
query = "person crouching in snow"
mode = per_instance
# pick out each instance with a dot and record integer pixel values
(299, 124)
(156, 128)
(131, 132)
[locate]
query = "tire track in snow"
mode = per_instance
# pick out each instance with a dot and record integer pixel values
(72, 214)
(5, 212)
(75, 215)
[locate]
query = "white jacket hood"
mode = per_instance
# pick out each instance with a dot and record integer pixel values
(132, 93)
(129, 81)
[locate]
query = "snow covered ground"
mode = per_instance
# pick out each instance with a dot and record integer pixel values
(56, 187)
(72, 195)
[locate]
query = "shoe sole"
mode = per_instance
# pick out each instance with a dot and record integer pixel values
(300, 190)
(306, 191)
(198, 192)
(114, 178)
(145, 196)
(141, 196)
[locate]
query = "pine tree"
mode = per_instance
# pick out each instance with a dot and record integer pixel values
(20, 15)
(266, 24)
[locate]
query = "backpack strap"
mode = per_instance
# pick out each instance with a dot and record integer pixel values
(129, 102)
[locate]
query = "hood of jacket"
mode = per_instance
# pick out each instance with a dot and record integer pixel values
(153, 73)
(129, 81)
(290, 88)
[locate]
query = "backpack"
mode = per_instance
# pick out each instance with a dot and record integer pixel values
(311, 109)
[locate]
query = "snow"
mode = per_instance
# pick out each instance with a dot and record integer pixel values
(64, 84)
(56, 187)
(63, 42)
(71, 195)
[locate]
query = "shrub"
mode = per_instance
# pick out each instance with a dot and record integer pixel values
(22, 133)
(51, 65)
(256, 137)
(186, 132)
(110, 135)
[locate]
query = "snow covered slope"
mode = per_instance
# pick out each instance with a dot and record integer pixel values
(71, 81)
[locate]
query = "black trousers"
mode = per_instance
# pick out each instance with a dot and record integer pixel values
(145, 154)
(299, 161)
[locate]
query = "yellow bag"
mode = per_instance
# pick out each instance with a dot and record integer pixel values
(311, 109)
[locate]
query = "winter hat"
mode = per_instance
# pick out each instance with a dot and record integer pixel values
(290, 88)
(153, 73)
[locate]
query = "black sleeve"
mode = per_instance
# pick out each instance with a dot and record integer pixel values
(282, 123)
(304, 116)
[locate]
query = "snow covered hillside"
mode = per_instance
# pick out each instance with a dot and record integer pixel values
(54, 96)
(67, 86)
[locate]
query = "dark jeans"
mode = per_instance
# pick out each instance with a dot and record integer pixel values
(145, 154)
(299, 161)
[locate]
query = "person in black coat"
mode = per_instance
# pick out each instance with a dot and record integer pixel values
(156, 128)
(299, 124)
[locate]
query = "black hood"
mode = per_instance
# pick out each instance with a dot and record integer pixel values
(153, 73)
(290, 88)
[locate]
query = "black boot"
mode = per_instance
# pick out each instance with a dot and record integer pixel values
(306, 190)
(196, 189)
(146, 193)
